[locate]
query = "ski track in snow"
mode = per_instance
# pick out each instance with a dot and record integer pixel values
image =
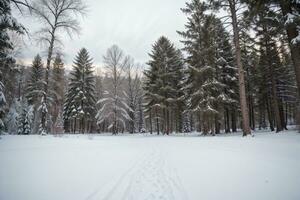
(149, 178)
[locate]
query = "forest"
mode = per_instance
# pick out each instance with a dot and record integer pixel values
(149, 99)
(239, 70)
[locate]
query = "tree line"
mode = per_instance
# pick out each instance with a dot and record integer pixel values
(236, 71)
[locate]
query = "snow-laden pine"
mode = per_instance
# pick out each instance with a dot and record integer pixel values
(164, 98)
(211, 74)
(79, 108)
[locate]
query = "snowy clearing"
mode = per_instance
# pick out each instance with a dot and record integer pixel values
(150, 167)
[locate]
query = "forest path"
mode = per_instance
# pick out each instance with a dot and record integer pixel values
(149, 178)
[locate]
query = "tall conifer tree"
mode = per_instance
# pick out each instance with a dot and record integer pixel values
(80, 98)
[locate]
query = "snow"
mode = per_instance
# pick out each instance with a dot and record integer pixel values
(150, 167)
(290, 18)
(2, 99)
(296, 40)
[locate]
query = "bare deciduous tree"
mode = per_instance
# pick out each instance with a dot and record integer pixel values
(133, 92)
(114, 106)
(56, 16)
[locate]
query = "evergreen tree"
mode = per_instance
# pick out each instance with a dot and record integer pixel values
(80, 98)
(58, 79)
(277, 83)
(288, 87)
(211, 74)
(25, 119)
(233, 8)
(59, 123)
(286, 14)
(250, 59)
(227, 75)
(34, 90)
(163, 85)
(270, 60)
(12, 117)
(151, 100)
(7, 62)
(178, 96)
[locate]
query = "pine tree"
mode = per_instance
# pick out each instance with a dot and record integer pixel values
(277, 82)
(80, 98)
(270, 59)
(286, 14)
(288, 87)
(227, 76)
(233, 7)
(151, 100)
(250, 59)
(58, 79)
(59, 123)
(211, 74)
(34, 90)
(163, 85)
(178, 96)
(12, 117)
(7, 23)
(25, 119)
(7, 62)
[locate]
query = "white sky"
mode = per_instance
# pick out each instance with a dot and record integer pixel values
(133, 25)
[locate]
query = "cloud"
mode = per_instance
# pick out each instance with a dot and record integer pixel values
(133, 25)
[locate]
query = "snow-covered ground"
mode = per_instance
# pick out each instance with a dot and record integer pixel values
(139, 167)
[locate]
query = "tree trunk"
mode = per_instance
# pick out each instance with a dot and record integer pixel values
(217, 125)
(157, 122)
(275, 100)
(292, 33)
(226, 121)
(150, 119)
(233, 121)
(199, 122)
(242, 90)
(49, 58)
(167, 120)
(75, 125)
(270, 116)
(282, 115)
(191, 122)
(262, 118)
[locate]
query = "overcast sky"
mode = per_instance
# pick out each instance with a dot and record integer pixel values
(133, 25)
